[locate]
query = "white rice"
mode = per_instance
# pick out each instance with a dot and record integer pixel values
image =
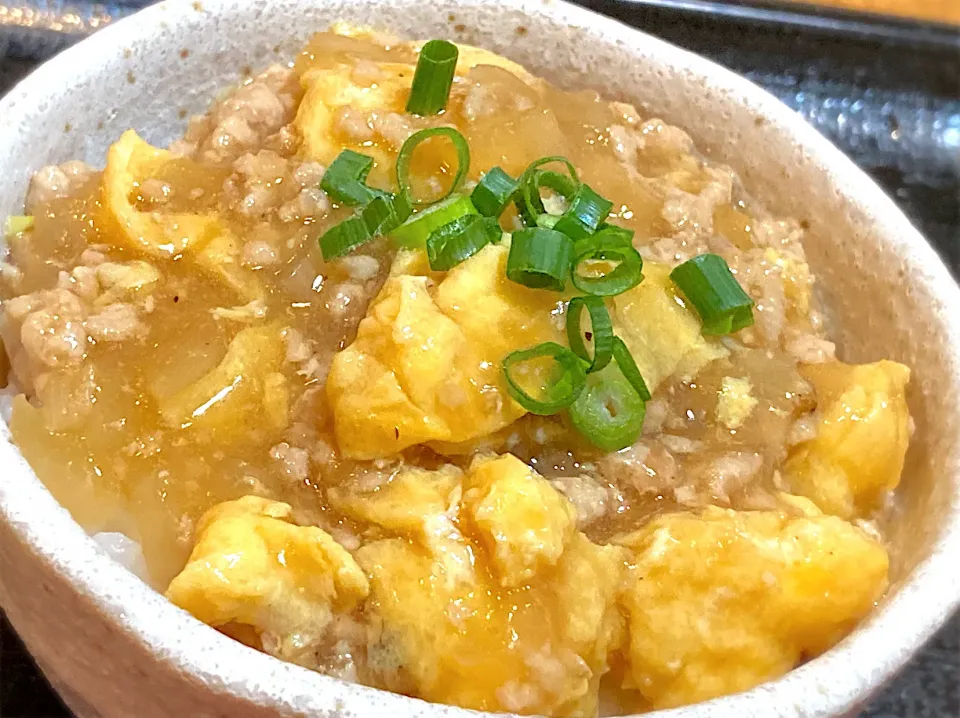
(125, 551)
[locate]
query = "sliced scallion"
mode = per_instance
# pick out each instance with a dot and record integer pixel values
(587, 209)
(453, 243)
(539, 258)
(414, 231)
(707, 282)
(608, 412)
(343, 238)
(529, 202)
(384, 214)
(493, 192)
(563, 386)
(600, 333)
(345, 179)
(17, 223)
(405, 157)
(606, 248)
(615, 230)
(629, 368)
(433, 78)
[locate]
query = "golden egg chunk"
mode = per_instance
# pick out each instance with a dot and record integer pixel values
(426, 363)
(251, 566)
(332, 91)
(523, 522)
(407, 504)
(661, 331)
(230, 400)
(202, 238)
(858, 452)
(723, 601)
(444, 627)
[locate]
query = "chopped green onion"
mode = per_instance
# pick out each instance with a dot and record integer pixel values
(459, 240)
(539, 258)
(493, 192)
(384, 214)
(406, 156)
(587, 209)
(345, 179)
(607, 246)
(343, 238)
(609, 412)
(17, 223)
(414, 232)
(547, 221)
(614, 230)
(629, 368)
(600, 334)
(714, 292)
(529, 202)
(564, 387)
(433, 78)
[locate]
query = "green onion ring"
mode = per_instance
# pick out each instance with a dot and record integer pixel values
(343, 238)
(601, 330)
(561, 393)
(413, 233)
(406, 156)
(629, 368)
(493, 192)
(453, 243)
(529, 203)
(433, 78)
(607, 246)
(539, 258)
(609, 412)
(707, 282)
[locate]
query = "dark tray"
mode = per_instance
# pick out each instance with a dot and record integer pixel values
(885, 90)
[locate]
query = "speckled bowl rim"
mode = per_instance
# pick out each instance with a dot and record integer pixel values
(836, 683)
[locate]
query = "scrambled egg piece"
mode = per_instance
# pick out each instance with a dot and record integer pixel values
(425, 366)
(451, 633)
(406, 503)
(230, 399)
(330, 91)
(723, 601)
(862, 436)
(523, 522)
(735, 402)
(251, 566)
(130, 161)
(662, 333)
(202, 238)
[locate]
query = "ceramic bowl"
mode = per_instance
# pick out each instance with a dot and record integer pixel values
(114, 647)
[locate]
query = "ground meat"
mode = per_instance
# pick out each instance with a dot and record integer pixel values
(298, 348)
(114, 323)
(393, 127)
(647, 467)
(259, 253)
(155, 192)
(625, 143)
(691, 215)
(257, 185)
(56, 181)
(360, 267)
(293, 462)
(810, 349)
(244, 120)
(82, 281)
(353, 124)
(310, 202)
(53, 332)
(731, 472)
(366, 73)
(591, 498)
(348, 301)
